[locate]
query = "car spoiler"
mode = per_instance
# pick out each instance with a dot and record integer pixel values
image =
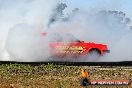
(43, 33)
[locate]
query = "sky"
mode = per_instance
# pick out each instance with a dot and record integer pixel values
(123, 5)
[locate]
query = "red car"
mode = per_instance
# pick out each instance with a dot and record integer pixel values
(75, 48)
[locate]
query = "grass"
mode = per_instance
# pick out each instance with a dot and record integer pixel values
(57, 76)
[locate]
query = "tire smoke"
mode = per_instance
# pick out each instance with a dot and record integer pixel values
(23, 22)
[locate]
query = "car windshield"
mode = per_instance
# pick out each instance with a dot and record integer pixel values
(57, 37)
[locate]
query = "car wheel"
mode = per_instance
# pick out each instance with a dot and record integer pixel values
(93, 55)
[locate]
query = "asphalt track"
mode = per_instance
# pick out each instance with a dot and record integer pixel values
(125, 63)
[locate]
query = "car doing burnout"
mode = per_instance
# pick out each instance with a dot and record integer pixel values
(76, 48)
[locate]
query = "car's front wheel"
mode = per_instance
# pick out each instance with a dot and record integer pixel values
(93, 55)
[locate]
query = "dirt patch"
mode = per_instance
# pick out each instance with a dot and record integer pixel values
(57, 76)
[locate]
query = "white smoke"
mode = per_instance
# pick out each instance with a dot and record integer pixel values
(20, 25)
(106, 27)
(22, 22)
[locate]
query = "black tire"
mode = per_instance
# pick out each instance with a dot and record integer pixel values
(85, 82)
(95, 51)
(93, 55)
